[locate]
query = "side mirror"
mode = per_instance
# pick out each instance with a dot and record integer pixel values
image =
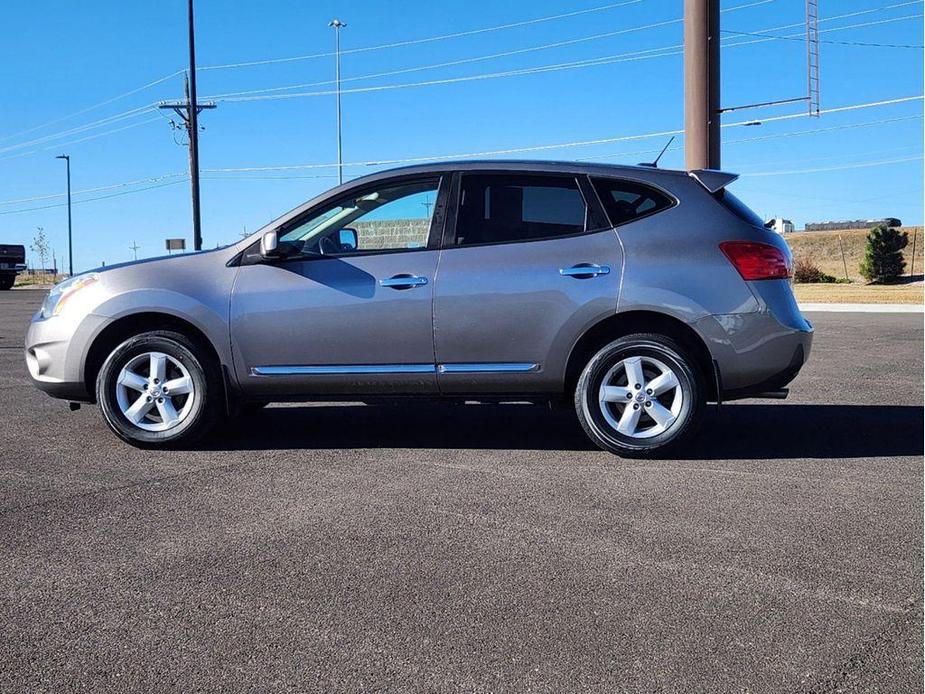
(269, 244)
(347, 238)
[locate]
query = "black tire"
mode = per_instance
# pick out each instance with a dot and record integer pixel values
(205, 410)
(6, 283)
(654, 346)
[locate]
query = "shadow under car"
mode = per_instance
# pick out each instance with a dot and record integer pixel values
(736, 431)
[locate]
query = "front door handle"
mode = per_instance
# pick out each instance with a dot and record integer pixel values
(403, 281)
(585, 270)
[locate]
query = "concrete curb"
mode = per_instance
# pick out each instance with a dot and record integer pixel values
(864, 308)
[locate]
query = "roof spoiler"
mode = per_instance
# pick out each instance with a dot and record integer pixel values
(712, 179)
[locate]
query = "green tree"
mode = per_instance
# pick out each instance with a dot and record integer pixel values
(883, 259)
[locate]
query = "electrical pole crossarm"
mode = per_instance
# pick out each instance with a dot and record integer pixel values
(179, 107)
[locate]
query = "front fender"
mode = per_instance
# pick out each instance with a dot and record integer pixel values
(211, 320)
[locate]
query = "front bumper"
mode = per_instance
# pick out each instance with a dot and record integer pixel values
(56, 350)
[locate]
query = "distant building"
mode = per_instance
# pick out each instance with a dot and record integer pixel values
(853, 224)
(780, 225)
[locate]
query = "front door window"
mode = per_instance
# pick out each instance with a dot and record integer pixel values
(397, 217)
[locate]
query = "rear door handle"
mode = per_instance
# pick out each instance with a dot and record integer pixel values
(403, 281)
(585, 270)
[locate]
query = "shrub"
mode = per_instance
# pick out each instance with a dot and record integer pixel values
(883, 259)
(806, 271)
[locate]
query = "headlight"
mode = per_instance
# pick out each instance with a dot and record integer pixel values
(63, 291)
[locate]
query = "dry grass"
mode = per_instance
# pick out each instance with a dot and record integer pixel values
(860, 293)
(25, 280)
(823, 249)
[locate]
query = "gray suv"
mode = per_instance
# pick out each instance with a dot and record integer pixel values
(636, 293)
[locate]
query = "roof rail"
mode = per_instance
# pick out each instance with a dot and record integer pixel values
(712, 179)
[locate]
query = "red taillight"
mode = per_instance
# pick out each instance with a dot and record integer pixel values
(757, 261)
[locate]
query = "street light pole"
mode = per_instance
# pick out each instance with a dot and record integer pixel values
(70, 246)
(338, 25)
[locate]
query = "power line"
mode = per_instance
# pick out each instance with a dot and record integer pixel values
(92, 107)
(863, 165)
(848, 15)
(213, 173)
(637, 55)
(556, 44)
(564, 145)
(815, 131)
(462, 61)
(621, 57)
(802, 37)
(428, 39)
(839, 109)
(441, 37)
(774, 136)
(101, 197)
(555, 67)
(155, 179)
(79, 129)
(841, 43)
(605, 60)
(82, 139)
(852, 157)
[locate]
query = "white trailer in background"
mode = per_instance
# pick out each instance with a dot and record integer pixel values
(780, 225)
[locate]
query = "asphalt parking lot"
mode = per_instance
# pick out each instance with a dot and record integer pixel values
(484, 548)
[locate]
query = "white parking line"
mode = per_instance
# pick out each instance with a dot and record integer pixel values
(864, 308)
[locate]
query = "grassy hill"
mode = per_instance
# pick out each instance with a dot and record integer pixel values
(822, 248)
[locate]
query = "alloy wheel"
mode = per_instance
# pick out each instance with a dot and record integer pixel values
(640, 397)
(155, 391)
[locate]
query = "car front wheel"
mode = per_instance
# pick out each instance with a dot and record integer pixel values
(640, 396)
(159, 390)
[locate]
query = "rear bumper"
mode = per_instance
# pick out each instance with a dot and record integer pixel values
(754, 352)
(773, 383)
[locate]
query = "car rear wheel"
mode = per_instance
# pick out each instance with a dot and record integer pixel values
(6, 283)
(159, 390)
(640, 396)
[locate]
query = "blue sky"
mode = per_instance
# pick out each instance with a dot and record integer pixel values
(62, 57)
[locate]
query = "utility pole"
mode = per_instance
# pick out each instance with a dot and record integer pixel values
(189, 111)
(134, 248)
(338, 25)
(701, 84)
(192, 113)
(70, 245)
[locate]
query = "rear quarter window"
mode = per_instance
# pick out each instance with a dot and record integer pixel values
(627, 201)
(738, 208)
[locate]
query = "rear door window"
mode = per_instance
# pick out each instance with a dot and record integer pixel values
(503, 208)
(627, 201)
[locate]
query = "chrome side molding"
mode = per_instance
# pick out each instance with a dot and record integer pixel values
(342, 369)
(383, 369)
(498, 367)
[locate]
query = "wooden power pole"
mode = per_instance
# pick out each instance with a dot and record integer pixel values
(701, 84)
(189, 111)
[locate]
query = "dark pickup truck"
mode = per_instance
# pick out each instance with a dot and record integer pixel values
(12, 260)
